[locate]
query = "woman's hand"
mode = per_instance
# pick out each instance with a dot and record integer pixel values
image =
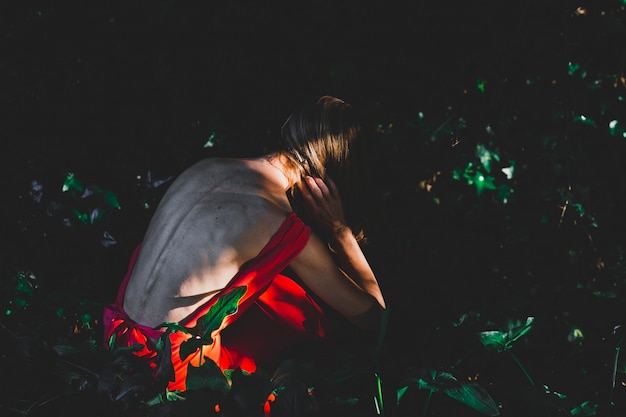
(322, 203)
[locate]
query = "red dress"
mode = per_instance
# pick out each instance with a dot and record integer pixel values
(274, 313)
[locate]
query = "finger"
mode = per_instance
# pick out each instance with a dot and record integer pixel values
(322, 185)
(332, 186)
(314, 187)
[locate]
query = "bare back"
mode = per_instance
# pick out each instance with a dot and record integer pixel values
(216, 216)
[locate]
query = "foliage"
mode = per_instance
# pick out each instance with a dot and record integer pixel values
(496, 186)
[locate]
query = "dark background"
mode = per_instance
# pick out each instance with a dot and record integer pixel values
(125, 94)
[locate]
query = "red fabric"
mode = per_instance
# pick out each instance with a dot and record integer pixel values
(274, 313)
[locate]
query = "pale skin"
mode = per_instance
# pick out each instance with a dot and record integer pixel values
(219, 214)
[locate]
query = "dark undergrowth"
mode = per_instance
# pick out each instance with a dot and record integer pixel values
(496, 186)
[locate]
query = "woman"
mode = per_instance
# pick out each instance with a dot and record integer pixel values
(227, 225)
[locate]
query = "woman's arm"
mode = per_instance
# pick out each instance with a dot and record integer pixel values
(351, 286)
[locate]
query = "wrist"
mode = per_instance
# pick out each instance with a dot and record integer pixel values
(340, 235)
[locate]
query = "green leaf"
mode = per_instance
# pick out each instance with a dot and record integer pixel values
(400, 393)
(584, 120)
(165, 369)
(519, 331)
(111, 342)
(208, 375)
(585, 409)
(572, 68)
(26, 282)
(495, 338)
(72, 183)
(83, 217)
(174, 327)
(468, 393)
(164, 397)
(483, 183)
(135, 347)
(437, 381)
(616, 129)
(226, 305)
(486, 156)
(481, 85)
(111, 199)
(474, 396)
(504, 339)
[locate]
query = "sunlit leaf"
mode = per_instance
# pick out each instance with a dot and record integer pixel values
(584, 120)
(422, 123)
(481, 85)
(26, 282)
(174, 396)
(616, 129)
(174, 327)
(575, 335)
(483, 183)
(86, 320)
(72, 183)
(474, 175)
(378, 396)
(171, 396)
(585, 409)
(504, 339)
(547, 390)
(111, 341)
(518, 330)
(509, 171)
(470, 173)
(496, 338)
(579, 209)
(486, 156)
(226, 305)
(572, 68)
(400, 393)
(210, 142)
(83, 217)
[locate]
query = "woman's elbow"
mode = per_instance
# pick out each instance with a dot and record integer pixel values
(372, 319)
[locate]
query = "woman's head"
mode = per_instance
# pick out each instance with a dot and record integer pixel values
(321, 138)
(318, 137)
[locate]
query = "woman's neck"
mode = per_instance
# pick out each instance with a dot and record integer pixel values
(281, 163)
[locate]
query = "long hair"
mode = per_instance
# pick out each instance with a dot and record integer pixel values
(321, 138)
